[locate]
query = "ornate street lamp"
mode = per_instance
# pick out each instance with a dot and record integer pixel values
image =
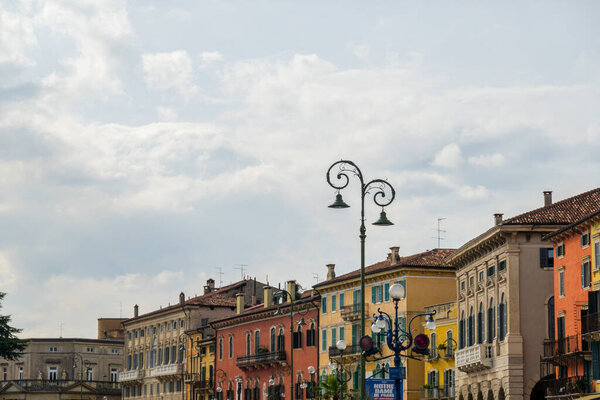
(398, 339)
(379, 186)
(338, 368)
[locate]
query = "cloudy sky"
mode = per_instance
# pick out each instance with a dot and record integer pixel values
(146, 144)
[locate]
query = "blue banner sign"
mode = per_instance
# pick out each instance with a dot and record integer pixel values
(381, 389)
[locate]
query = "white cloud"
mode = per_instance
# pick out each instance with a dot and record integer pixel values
(166, 113)
(165, 71)
(16, 36)
(211, 56)
(491, 160)
(8, 275)
(361, 51)
(448, 157)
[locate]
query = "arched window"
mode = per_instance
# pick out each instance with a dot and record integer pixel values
(248, 343)
(273, 342)
(433, 345)
(491, 322)
(551, 317)
(502, 318)
(230, 346)
(311, 335)
(470, 328)
(386, 370)
(480, 324)
(461, 331)
(256, 341)
(449, 344)
(220, 348)
(153, 354)
(280, 340)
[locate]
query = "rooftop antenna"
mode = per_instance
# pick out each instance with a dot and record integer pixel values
(316, 276)
(242, 269)
(439, 232)
(220, 273)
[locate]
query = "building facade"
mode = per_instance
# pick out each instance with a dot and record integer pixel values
(156, 343)
(504, 284)
(200, 377)
(427, 279)
(439, 365)
(261, 349)
(64, 368)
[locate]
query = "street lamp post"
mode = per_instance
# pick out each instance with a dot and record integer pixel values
(398, 339)
(379, 198)
(340, 372)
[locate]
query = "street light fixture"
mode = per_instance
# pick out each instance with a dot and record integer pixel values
(380, 187)
(398, 339)
(337, 367)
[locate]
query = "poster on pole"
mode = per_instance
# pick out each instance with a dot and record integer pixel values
(381, 389)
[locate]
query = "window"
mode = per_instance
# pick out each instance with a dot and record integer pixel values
(310, 335)
(297, 339)
(342, 333)
(256, 341)
(480, 324)
(90, 349)
(491, 321)
(4, 373)
(333, 303)
(114, 351)
(377, 294)
(481, 276)
(114, 374)
(433, 378)
(490, 271)
(386, 291)
(502, 265)
(472, 281)
(323, 339)
(248, 343)
(546, 257)
(585, 239)
(273, 340)
(462, 286)
(324, 305)
(470, 329)
(502, 317)
(281, 340)
(342, 300)
(333, 336)
(561, 282)
(586, 274)
(135, 334)
(230, 346)
(448, 380)
(20, 373)
(551, 317)
(89, 374)
(220, 348)
(154, 330)
(129, 335)
(433, 345)
(597, 254)
(52, 373)
(560, 250)
(181, 323)
(461, 331)
(449, 344)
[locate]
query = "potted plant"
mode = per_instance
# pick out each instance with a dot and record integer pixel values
(262, 350)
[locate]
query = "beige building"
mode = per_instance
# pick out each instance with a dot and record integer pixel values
(156, 343)
(64, 368)
(504, 282)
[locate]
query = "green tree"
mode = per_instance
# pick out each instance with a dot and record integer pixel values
(330, 389)
(11, 347)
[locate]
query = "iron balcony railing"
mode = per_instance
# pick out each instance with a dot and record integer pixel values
(564, 346)
(443, 392)
(349, 350)
(590, 323)
(351, 312)
(260, 358)
(58, 385)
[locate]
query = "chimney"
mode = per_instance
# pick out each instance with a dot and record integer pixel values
(254, 293)
(268, 296)
(290, 286)
(395, 257)
(181, 299)
(330, 271)
(239, 298)
(547, 198)
(136, 311)
(498, 219)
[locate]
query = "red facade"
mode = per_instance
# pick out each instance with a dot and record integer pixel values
(254, 348)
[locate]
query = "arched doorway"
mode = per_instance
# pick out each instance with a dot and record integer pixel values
(501, 394)
(538, 391)
(470, 396)
(490, 395)
(479, 395)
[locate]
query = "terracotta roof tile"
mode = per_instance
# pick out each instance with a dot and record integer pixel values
(562, 212)
(435, 258)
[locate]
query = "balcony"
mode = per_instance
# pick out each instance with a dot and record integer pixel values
(438, 393)
(559, 350)
(261, 360)
(198, 382)
(572, 386)
(47, 385)
(352, 349)
(474, 358)
(134, 375)
(166, 370)
(351, 312)
(590, 327)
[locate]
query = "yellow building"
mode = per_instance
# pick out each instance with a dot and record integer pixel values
(439, 367)
(199, 380)
(595, 233)
(427, 280)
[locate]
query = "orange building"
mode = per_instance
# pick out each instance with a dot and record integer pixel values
(567, 355)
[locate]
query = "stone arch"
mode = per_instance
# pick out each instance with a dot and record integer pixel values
(501, 395)
(470, 396)
(490, 395)
(461, 397)
(538, 391)
(479, 395)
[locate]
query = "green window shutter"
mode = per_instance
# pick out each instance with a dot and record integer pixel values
(333, 303)
(323, 339)
(386, 291)
(324, 305)
(333, 336)
(342, 336)
(403, 283)
(374, 294)
(341, 300)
